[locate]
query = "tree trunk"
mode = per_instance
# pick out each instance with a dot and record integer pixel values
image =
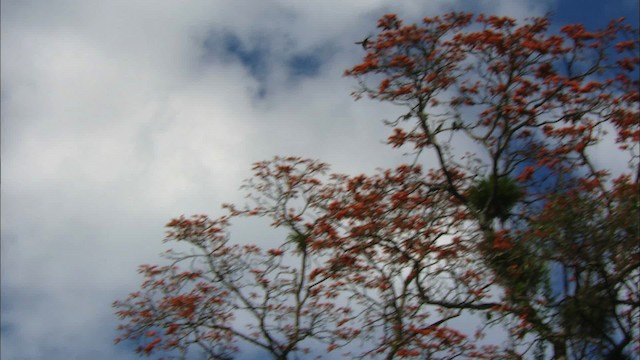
(559, 350)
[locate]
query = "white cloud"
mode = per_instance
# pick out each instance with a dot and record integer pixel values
(115, 118)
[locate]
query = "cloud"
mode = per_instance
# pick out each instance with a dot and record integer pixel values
(118, 115)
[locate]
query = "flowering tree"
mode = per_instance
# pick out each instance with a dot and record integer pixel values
(530, 230)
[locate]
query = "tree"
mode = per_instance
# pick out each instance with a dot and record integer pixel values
(530, 232)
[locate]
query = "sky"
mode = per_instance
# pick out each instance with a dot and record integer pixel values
(117, 116)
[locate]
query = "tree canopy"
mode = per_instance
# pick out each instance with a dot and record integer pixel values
(531, 232)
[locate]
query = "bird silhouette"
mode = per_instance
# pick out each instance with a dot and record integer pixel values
(364, 42)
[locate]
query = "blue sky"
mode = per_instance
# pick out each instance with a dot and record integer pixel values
(119, 115)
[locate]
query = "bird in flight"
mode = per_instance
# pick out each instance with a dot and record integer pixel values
(364, 42)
